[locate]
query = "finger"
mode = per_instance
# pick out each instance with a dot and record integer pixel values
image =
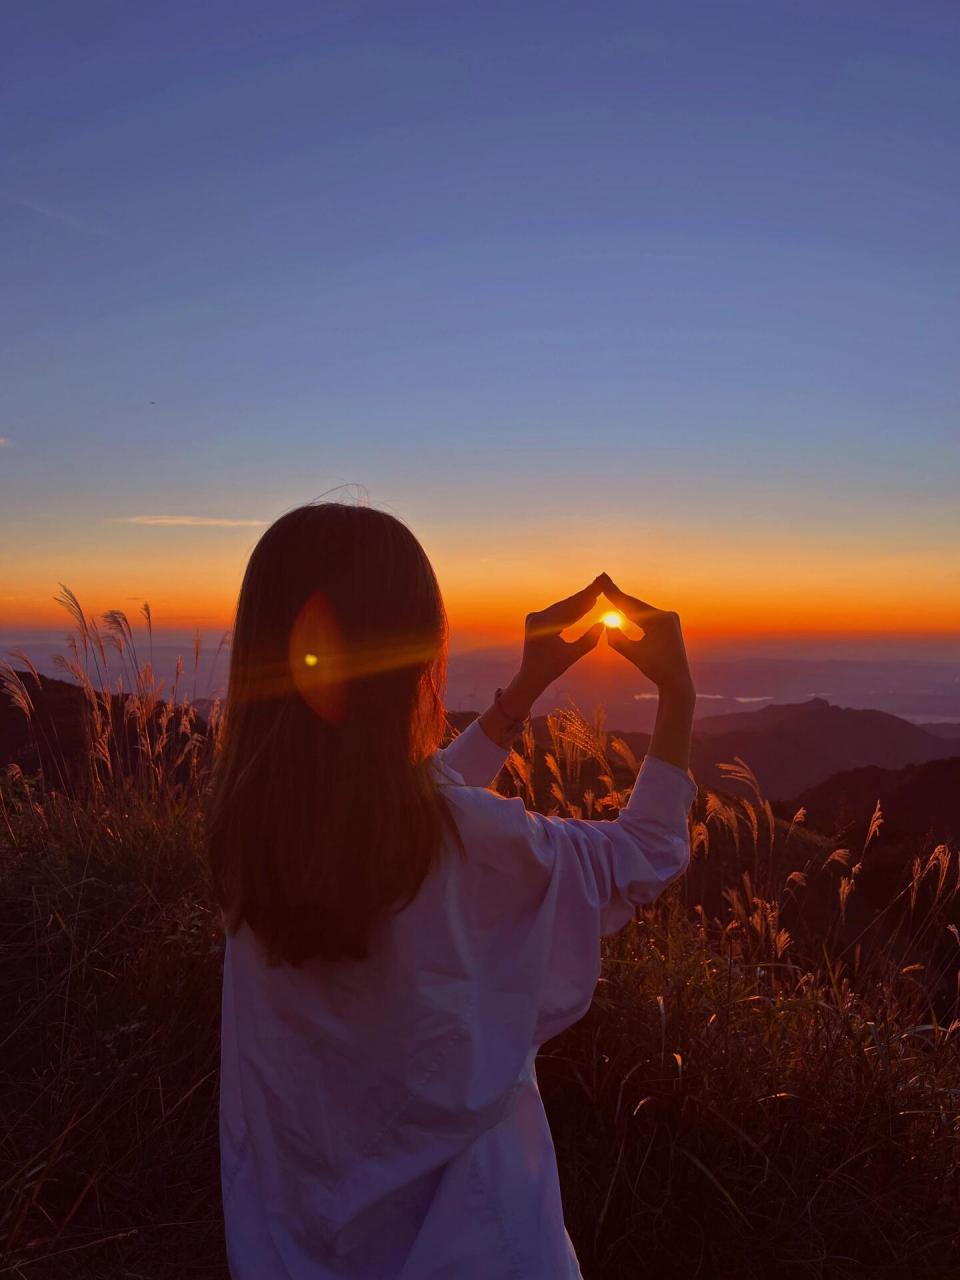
(631, 606)
(623, 644)
(618, 597)
(589, 640)
(566, 612)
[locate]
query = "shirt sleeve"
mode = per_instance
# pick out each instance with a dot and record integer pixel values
(596, 873)
(474, 756)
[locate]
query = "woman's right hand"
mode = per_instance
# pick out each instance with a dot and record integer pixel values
(661, 656)
(660, 653)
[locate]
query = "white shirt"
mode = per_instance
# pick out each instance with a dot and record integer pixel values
(380, 1119)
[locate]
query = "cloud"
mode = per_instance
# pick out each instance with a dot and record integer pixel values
(200, 522)
(4, 441)
(54, 215)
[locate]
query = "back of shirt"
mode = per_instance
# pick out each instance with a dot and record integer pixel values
(357, 1096)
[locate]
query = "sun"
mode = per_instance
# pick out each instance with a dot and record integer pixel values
(612, 619)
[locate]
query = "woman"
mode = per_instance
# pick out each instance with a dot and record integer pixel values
(401, 940)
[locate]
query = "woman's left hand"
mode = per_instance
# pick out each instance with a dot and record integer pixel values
(546, 655)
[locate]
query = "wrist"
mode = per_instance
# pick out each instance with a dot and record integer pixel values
(519, 696)
(504, 718)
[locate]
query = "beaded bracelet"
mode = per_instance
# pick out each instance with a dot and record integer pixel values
(514, 726)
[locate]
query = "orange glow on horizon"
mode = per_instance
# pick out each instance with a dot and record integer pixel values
(764, 589)
(499, 619)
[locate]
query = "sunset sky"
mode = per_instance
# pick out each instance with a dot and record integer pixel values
(664, 290)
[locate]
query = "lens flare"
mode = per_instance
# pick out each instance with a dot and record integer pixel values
(612, 619)
(317, 660)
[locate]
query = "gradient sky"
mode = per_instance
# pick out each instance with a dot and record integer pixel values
(666, 290)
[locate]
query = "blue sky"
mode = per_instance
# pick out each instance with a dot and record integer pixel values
(554, 282)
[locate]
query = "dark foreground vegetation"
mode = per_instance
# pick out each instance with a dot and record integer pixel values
(767, 1085)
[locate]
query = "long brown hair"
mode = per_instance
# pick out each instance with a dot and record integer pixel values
(324, 813)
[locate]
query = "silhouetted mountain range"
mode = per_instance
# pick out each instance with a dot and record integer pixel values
(792, 748)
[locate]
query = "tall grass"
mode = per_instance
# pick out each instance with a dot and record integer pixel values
(768, 1083)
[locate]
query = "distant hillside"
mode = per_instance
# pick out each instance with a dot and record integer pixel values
(919, 800)
(792, 747)
(951, 730)
(55, 740)
(55, 737)
(760, 717)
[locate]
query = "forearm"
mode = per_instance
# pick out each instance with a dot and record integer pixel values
(674, 725)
